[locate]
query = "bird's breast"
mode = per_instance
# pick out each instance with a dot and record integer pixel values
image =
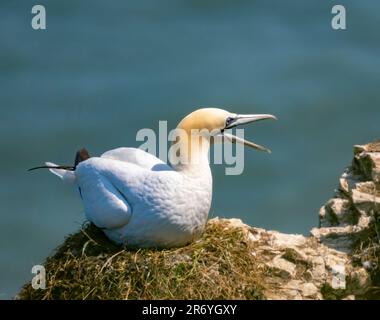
(169, 210)
(178, 198)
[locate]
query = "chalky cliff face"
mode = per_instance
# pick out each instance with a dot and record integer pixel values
(339, 260)
(345, 218)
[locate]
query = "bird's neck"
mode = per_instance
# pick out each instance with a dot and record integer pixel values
(190, 153)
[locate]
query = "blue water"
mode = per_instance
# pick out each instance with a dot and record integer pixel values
(103, 70)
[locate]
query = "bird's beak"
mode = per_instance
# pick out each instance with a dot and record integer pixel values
(241, 119)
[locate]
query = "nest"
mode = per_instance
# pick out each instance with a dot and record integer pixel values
(88, 266)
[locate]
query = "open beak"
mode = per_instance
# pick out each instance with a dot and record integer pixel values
(243, 119)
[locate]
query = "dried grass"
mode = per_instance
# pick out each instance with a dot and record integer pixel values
(87, 266)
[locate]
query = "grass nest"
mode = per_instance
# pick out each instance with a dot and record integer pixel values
(220, 265)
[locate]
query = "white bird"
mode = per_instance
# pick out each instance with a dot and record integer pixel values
(140, 201)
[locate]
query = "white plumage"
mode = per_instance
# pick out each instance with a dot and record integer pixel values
(138, 200)
(141, 206)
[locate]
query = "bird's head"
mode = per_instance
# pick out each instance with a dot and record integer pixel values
(214, 122)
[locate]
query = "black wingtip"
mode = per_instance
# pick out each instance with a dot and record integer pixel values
(81, 156)
(70, 168)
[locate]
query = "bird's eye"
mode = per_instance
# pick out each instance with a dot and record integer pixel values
(229, 121)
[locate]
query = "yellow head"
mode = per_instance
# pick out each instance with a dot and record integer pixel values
(209, 119)
(196, 129)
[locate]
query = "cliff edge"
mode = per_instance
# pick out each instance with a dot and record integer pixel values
(339, 260)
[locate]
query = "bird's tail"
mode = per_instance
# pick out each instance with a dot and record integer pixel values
(66, 173)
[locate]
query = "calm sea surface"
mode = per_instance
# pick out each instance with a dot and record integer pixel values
(103, 70)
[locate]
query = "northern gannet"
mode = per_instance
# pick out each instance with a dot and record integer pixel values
(140, 201)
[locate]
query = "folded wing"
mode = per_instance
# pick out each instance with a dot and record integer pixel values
(138, 157)
(104, 186)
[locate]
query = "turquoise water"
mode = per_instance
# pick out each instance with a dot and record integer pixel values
(102, 71)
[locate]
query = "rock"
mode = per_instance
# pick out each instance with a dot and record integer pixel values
(368, 163)
(336, 212)
(348, 181)
(359, 148)
(360, 281)
(349, 220)
(282, 240)
(361, 198)
(283, 267)
(339, 238)
(318, 271)
(309, 290)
